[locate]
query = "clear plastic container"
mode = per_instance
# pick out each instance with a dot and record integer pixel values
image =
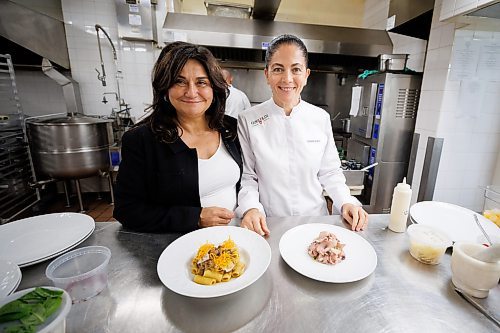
(83, 272)
(427, 244)
(55, 323)
(492, 204)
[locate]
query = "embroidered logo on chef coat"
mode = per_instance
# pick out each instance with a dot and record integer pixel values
(260, 120)
(313, 141)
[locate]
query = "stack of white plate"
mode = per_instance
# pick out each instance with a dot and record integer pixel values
(10, 277)
(457, 222)
(36, 239)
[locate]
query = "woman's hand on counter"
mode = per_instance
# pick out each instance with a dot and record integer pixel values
(254, 220)
(355, 215)
(213, 216)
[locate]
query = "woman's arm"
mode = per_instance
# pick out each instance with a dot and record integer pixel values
(135, 207)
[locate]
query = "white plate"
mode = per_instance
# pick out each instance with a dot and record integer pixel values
(35, 239)
(360, 257)
(55, 322)
(57, 254)
(174, 265)
(10, 277)
(457, 222)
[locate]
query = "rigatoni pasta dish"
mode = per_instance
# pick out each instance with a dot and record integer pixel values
(217, 264)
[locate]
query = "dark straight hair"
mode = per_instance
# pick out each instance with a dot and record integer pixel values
(285, 39)
(163, 118)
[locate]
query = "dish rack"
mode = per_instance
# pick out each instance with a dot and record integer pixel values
(16, 169)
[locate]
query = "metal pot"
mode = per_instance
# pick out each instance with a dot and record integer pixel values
(70, 147)
(346, 125)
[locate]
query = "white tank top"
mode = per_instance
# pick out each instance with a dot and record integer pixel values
(218, 176)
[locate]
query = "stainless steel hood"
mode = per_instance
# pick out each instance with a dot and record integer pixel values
(40, 32)
(492, 11)
(411, 18)
(256, 34)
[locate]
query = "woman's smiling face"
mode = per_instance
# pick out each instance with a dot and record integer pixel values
(287, 75)
(192, 93)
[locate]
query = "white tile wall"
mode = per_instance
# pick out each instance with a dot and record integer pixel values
(135, 59)
(414, 47)
(471, 131)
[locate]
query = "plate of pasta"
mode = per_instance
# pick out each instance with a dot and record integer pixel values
(213, 262)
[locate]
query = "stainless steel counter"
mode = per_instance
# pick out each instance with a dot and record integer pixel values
(402, 295)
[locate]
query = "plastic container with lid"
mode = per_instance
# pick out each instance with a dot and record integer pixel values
(492, 204)
(427, 244)
(83, 272)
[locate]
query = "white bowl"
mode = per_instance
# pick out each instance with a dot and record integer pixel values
(83, 272)
(56, 323)
(427, 244)
(473, 276)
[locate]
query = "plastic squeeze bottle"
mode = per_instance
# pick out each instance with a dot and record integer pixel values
(400, 206)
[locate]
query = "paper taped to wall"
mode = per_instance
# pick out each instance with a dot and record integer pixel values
(355, 100)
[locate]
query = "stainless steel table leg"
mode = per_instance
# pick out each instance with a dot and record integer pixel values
(79, 193)
(110, 181)
(66, 194)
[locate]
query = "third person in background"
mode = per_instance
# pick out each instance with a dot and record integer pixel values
(237, 100)
(289, 154)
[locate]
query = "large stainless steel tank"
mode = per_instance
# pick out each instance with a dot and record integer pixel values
(70, 147)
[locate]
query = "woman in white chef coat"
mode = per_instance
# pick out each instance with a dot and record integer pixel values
(288, 149)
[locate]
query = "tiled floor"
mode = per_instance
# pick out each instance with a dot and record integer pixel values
(97, 207)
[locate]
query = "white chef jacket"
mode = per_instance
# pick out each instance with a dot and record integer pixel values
(236, 102)
(288, 161)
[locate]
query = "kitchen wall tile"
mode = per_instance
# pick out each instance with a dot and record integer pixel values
(434, 38)
(491, 103)
(450, 100)
(432, 59)
(470, 199)
(463, 6)
(445, 10)
(464, 33)
(444, 57)
(446, 195)
(471, 179)
(447, 34)
(430, 100)
(486, 142)
(426, 120)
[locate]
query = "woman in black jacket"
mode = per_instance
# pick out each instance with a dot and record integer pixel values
(181, 166)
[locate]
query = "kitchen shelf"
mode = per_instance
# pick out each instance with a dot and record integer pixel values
(16, 168)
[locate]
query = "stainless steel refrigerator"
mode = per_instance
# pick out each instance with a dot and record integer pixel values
(382, 132)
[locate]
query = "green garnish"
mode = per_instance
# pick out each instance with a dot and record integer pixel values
(30, 310)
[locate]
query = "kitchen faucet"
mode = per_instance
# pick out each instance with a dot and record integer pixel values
(102, 77)
(117, 97)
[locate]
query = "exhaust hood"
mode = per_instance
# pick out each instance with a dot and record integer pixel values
(40, 32)
(410, 17)
(491, 11)
(256, 34)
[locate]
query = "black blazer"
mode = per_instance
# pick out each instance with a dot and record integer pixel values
(157, 188)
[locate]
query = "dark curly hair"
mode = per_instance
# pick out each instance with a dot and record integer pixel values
(285, 39)
(163, 119)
